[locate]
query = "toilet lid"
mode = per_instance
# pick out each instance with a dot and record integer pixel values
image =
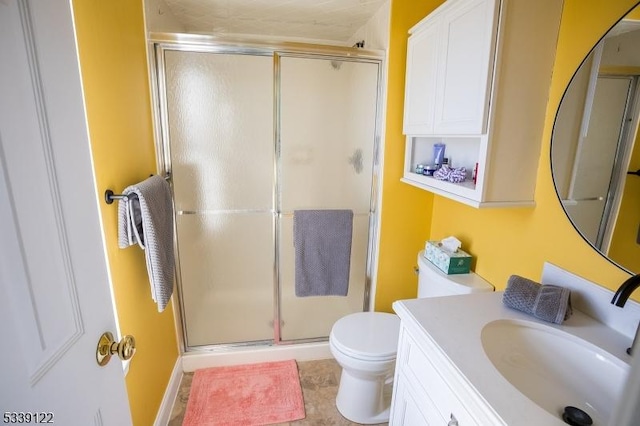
(367, 335)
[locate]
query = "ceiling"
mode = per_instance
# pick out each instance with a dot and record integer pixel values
(335, 20)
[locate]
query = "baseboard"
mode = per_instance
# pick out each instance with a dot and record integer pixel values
(192, 361)
(170, 394)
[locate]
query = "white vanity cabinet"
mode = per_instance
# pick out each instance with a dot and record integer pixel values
(445, 373)
(477, 79)
(428, 389)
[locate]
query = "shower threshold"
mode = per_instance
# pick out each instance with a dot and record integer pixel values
(219, 355)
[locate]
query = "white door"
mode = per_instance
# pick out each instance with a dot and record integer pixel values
(54, 286)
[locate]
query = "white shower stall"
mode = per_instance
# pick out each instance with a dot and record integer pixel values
(250, 133)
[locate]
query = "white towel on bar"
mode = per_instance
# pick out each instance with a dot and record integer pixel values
(145, 217)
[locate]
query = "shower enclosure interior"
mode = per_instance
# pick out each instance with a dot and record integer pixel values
(249, 134)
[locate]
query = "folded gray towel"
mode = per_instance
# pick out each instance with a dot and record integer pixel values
(546, 302)
(553, 304)
(145, 217)
(521, 293)
(322, 241)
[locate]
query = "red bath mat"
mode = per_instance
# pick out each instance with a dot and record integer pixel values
(251, 394)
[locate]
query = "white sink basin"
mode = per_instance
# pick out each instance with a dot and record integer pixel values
(555, 369)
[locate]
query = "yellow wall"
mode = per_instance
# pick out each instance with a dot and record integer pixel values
(503, 241)
(634, 14)
(111, 42)
(405, 211)
(624, 248)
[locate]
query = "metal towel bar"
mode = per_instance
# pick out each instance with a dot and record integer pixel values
(110, 197)
(247, 211)
(354, 213)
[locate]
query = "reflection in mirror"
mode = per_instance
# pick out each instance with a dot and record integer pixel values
(594, 146)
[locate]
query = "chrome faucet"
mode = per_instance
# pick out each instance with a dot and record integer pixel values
(621, 297)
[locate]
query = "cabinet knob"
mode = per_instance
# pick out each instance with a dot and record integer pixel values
(453, 421)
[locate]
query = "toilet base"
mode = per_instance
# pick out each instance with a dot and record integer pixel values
(364, 401)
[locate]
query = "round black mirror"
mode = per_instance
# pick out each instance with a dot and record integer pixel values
(595, 152)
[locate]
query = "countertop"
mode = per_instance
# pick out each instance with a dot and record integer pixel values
(454, 324)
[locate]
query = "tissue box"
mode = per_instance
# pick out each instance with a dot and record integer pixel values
(449, 263)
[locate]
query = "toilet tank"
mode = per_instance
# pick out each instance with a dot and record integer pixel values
(432, 282)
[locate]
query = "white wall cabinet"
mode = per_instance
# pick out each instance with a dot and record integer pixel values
(448, 67)
(419, 98)
(477, 79)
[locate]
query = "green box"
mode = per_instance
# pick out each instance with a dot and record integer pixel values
(448, 262)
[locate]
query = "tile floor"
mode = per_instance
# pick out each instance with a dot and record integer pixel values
(319, 381)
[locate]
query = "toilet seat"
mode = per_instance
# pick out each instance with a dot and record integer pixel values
(369, 336)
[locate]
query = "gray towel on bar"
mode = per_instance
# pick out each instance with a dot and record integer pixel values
(546, 302)
(322, 242)
(145, 218)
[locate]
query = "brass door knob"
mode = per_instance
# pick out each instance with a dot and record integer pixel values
(107, 346)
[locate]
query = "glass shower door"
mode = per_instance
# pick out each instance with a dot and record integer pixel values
(219, 109)
(327, 143)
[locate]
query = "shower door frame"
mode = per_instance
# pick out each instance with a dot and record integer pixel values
(159, 43)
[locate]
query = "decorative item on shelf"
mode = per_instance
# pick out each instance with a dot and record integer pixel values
(457, 175)
(420, 169)
(438, 154)
(442, 173)
(429, 170)
(450, 174)
(474, 176)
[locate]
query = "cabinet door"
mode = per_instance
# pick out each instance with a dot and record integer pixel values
(420, 85)
(465, 65)
(411, 408)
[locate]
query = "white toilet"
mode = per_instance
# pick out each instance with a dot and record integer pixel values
(365, 346)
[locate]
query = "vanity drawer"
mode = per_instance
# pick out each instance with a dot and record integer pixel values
(418, 370)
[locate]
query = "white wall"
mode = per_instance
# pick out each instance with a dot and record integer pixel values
(376, 31)
(622, 50)
(159, 18)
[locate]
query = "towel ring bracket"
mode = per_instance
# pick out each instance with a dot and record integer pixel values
(110, 197)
